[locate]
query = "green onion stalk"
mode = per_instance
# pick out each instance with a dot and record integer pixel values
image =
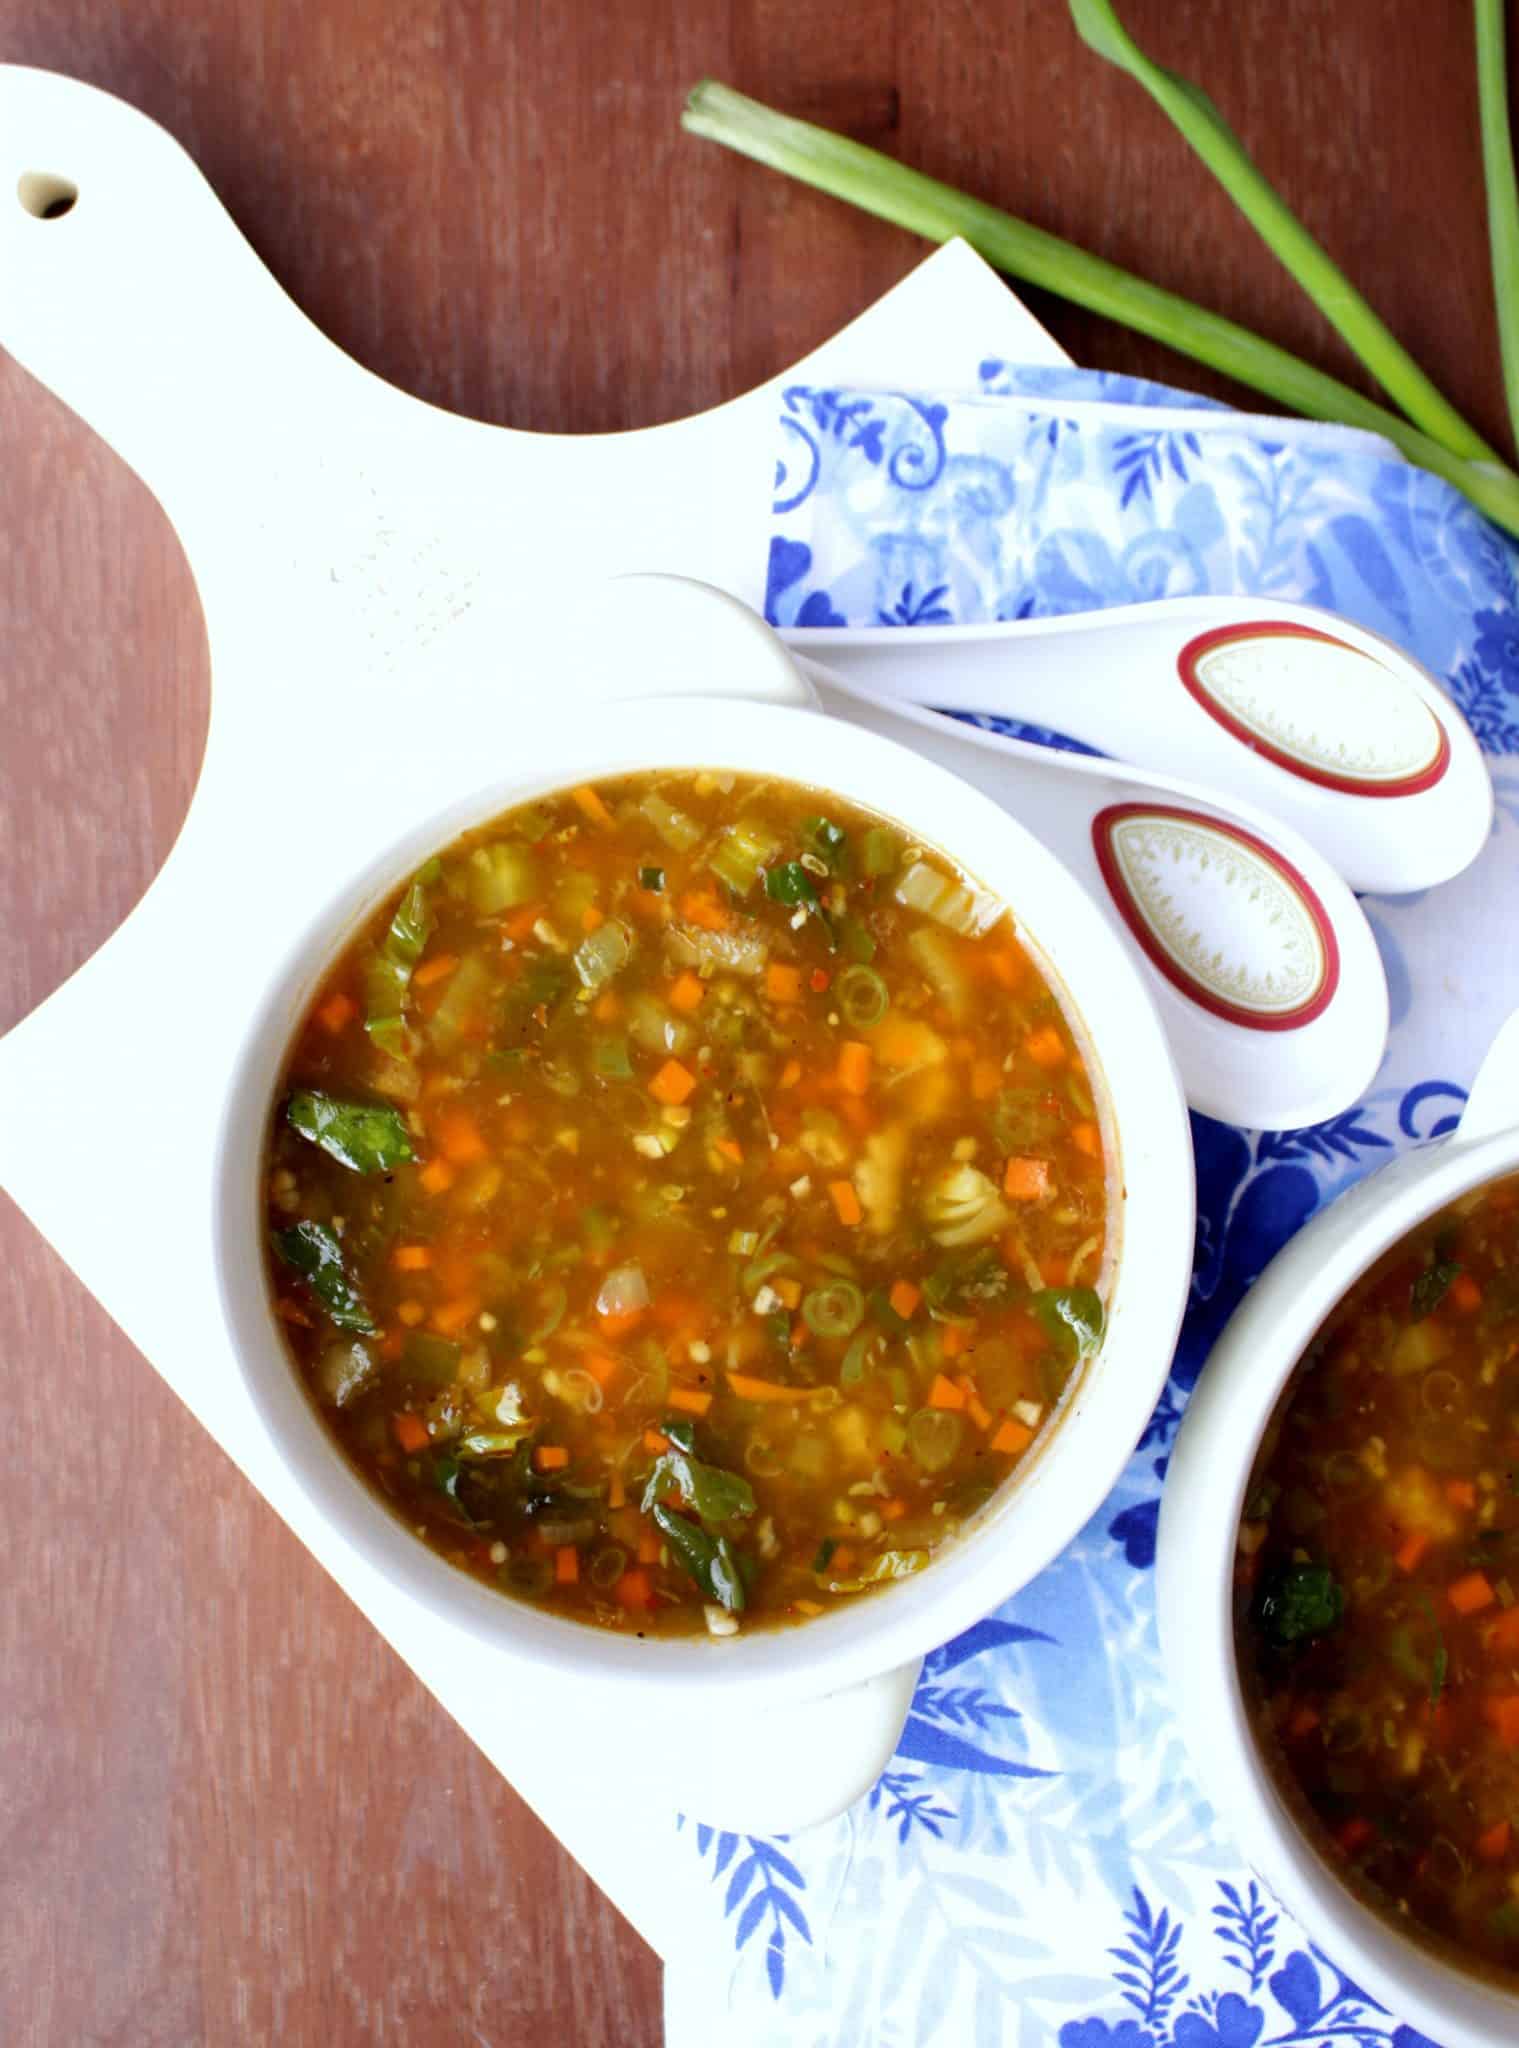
(878, 185)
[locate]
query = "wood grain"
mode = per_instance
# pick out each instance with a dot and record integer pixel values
(230, 1814)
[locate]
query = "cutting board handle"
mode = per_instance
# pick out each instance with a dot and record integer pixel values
(130, 293)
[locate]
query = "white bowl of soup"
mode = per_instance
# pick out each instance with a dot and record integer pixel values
(1339, 1575)
(708, 1212)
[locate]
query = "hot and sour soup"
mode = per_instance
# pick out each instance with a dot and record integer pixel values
(687, 1202)
(1377, 1608)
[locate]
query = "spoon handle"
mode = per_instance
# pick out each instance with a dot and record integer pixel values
(1261, 963)
(1319, 722)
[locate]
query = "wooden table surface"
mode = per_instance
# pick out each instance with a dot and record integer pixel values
(227, 1813)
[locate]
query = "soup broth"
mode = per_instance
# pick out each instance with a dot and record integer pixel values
(686, 1202)
(1377, 1609)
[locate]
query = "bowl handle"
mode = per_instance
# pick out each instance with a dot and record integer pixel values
(776, 1770)
(1493, 1104)
(653, 635)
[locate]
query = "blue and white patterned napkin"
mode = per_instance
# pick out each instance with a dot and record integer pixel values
(1039, 1866)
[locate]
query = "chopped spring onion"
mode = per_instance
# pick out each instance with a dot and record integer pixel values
(652, 879)
(743, 851)
(501, 877)
(623, 1292)
(678, 832)
(970, 912)
(834, 1310)
(607, 1566)
(604, 953)
(933, 1437)
(829, 842)
(791, 884)
(862, 996)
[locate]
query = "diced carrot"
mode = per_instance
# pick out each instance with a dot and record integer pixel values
(520, 924)
(592, 919)
(606, 1006)
(818, 980)
(846, 1202)
(602, 1367)
(459, 1139)
(437, 1176)
(985, 1079)
(1464, 1294)
(841, 1564)
(566, 1565)
(952, 1341)
(789, 1290)
(945, 1394)
(1461, 1493)
(1470, 1594)
(783, 984)
(1409, 1553)
(633, 1589)
(1501, 1711)
(730, 1149)
(1086, 1137)
(591, 804)
(688, 1398)
(978, 1412)
(411, 1313)
(452, 1316)
(1026, 1180)
(437, 969)
(672, 1084)
(336, 1012)
(411, 1432)
(411, 1258)
(1353, 1835)
(701, 907)
(1503, 1636)
(648, 1544)
(748, 1388)
(791, 1073)
(656, 1441)
(1008, 966)
(1492, 1844)
(687, 992)
(1054, 1271)
(619, 1321)
(1012, 1437)
(617, 1492)
(289, 1311)
(550, 1458)
(893, 1510)
(1045, 1047)
(904, 1298)
(855, 1062)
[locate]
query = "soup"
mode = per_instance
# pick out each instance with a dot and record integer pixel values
(686, 1202)
(1377, 1612)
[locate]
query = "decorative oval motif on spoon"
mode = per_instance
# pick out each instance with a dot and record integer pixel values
(1317, 707)
(1222, 916)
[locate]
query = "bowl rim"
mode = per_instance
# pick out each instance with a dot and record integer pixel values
(1088, 1450)
(1237, 1394)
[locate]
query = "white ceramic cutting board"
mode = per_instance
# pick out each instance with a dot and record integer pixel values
(358, 553)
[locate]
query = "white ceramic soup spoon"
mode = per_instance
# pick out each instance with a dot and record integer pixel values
(1326, 726)
(1261, 964)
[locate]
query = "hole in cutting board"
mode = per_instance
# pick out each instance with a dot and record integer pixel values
(45, 195)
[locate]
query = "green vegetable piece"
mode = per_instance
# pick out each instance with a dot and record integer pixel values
(879, 1303)
(890, 190)
(710, 1560)
(891, 1564)
(828, 842)
(603, 953)
(880, 851)
(791, 884)
(1073, 1318)
(610, 1059)
(362, 1136)
(862, 996)
(388, 974)
(1431, 1288)
(434, 1359)
(852, 940)
(313, 1251)
(824, 1556)
(835, 1310)
(678, 832)
(463, 1004)
(495, 1443)
(934, 1436)
(502, 876)
(742, 853)
(1299, 1604)
(652, 879)
(715, 1494)
(543, 985)
(446, 1474)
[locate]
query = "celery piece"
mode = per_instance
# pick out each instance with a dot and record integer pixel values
(744, 849)
(502, 876)
(673, 826)
(390, 967)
